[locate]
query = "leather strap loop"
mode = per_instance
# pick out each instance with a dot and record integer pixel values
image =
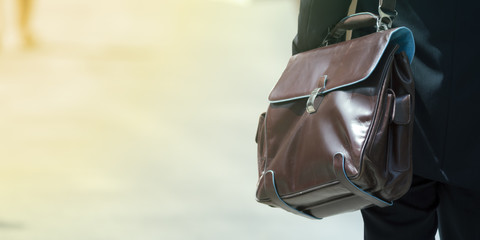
(339, 167)
(275, 198)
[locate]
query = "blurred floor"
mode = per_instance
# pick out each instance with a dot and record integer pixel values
(136, 120)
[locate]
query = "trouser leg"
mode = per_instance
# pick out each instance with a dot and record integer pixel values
(458, 213)
(412, 217)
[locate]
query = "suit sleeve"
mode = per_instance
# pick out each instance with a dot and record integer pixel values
(314, 20)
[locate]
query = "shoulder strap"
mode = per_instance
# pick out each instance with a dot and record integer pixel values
(387, 5)
(351, 10)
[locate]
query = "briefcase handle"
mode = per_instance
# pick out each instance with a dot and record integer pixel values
(382, 21)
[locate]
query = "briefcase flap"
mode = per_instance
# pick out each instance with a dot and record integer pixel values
(339, 65)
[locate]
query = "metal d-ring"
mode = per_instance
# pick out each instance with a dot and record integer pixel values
(385, 19)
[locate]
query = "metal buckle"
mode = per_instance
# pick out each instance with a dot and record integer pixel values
(385, 19)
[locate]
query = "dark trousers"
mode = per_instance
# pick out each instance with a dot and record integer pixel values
(427, 206)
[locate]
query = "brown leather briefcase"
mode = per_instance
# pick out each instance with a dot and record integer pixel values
(337, 134)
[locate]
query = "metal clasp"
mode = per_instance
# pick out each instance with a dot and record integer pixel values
(385, 19)
(311, 100)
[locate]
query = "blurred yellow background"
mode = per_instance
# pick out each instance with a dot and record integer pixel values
(136, 120)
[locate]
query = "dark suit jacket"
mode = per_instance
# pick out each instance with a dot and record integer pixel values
(446, 144)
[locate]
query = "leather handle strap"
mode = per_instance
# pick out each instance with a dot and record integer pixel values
(351, 22)
(339, 167)
(384, 20)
